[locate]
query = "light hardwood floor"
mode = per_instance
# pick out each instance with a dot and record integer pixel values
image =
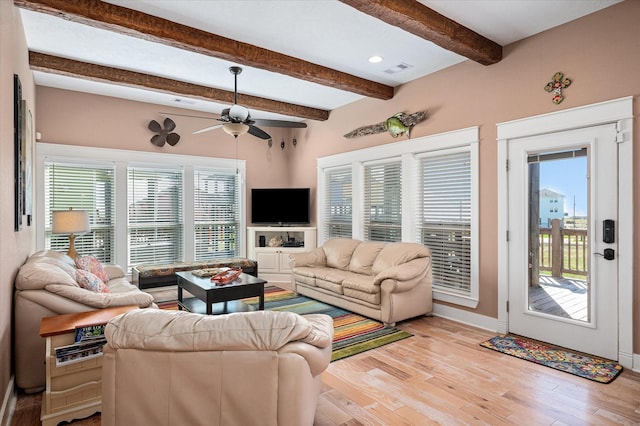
(441, 376)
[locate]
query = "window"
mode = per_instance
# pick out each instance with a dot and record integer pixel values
(216, 211)
(155, 215)
(444, 218)
(144, 207)
(82, 187)
(383, 202)
(423, 190)
(337, 203)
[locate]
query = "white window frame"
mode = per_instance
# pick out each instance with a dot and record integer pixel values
(409, 151)
(121, 159)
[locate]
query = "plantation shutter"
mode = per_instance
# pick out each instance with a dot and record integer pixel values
(81, 187)
(338, 203)
(154, 215)
(383, 201)
(216, 213)
(444, 218)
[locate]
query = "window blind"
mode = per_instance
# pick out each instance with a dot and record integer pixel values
(154, 198)
(444, 218)
(82, 187)
(338, 203)
(216, 212)
(383, 201)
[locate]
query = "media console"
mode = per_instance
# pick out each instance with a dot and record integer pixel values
(274, 261)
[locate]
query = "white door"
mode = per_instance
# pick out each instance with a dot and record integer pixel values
(563, 268)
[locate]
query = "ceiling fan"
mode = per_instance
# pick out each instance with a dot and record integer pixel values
(236, 120)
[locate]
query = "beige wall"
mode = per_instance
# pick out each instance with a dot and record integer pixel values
(75, 118)
(599, 53)
(14, 246)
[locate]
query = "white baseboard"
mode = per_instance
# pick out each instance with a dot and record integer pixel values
(636, 363)
(8, 403)
(465, 317)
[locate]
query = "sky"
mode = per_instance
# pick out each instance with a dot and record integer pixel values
(569, 178)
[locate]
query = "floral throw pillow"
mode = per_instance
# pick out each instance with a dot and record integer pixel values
(93, 265)
(86, 279)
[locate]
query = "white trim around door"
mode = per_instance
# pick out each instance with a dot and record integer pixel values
(620, 113)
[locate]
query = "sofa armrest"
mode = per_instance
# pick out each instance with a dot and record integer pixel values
(315, 257)
(403, 273)
(102, 300)
(316, 351)
(113, 271)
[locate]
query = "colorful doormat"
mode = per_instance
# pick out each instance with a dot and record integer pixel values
(589, 367)
(353, 334)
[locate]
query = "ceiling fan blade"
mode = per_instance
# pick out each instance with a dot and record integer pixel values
(238, 113)
(259, 133)
(206, 129)
(280, 123)
(187, 115)
(169, 124)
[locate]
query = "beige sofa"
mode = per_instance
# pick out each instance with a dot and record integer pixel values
(46, 286)
(177, 368)
(388, 282)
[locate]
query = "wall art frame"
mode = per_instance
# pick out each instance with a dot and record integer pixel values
(28, 137)
(18, 156)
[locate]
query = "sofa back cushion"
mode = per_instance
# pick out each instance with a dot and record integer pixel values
(180, 331)
(338, 252)
(363, 257)
(44, 268)
(393, 254)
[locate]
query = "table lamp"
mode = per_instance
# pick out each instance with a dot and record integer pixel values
(70, 222)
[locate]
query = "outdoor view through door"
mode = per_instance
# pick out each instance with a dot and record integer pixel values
(558, 234)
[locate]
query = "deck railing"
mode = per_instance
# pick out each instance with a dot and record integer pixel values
(563, 251)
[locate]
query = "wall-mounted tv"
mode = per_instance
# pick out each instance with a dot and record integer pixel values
(280, 206)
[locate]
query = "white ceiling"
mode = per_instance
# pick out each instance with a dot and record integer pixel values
(325, 32)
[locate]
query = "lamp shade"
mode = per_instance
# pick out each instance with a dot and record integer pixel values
(235, 129)
(70, 221)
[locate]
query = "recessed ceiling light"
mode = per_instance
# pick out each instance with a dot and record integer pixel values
(375, 59)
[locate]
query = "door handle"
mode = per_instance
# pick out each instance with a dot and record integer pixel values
(609, 254)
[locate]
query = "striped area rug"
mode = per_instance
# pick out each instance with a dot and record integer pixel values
(353, 334)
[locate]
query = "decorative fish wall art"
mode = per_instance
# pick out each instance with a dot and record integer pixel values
(397, 125)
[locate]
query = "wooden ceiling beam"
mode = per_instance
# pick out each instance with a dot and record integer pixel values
(68, 67)
(416, 18)
(151, 28)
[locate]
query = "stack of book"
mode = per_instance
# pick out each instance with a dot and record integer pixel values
(88, 344)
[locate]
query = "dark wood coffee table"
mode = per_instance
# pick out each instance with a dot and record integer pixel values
(210, 298)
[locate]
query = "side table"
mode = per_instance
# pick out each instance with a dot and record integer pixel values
(73, 391)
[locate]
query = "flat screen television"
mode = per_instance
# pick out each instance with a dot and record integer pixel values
(280, 206)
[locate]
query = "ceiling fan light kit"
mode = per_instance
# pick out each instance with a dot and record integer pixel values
(235, 129)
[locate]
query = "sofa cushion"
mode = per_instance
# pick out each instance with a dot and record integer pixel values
(398, 253)
(305, 275)
(364, 283)
(362, 295)
(363, 257)
(91, 282)
(338, 252)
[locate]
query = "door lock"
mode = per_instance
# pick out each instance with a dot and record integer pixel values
(609, 254)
